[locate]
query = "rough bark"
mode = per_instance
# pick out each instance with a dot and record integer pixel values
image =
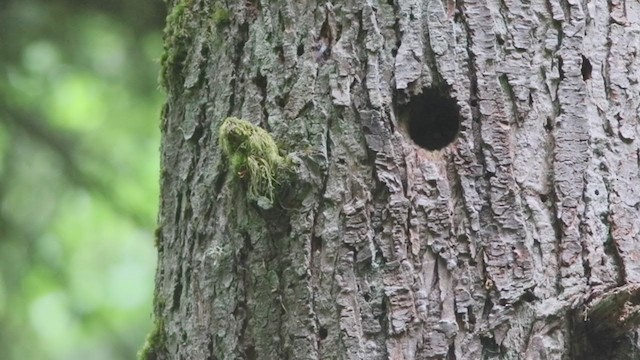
(506, 244)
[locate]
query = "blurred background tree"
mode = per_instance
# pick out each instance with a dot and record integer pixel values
(79, 138)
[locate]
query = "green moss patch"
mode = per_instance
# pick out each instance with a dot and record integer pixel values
(155, 342)
(253, 156)
(177, 36)
(221, 16)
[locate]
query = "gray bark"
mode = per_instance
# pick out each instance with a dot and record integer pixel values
(520, 240)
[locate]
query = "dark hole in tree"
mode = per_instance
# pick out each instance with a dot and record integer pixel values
(323, 333)
(586, 68)
(433, 119)
(300, 49)
(529, 296)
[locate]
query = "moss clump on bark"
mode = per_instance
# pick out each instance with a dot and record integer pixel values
(155, 342)
(157, 237)
(176, 41)
(221, 16)
(253, 156)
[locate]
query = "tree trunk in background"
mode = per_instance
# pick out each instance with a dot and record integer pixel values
(518, 240)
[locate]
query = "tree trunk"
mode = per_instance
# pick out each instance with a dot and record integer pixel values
(464, 181)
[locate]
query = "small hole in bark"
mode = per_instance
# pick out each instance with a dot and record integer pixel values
(500, 40)
(528, 296)
(316, 244)
(434, 119)
(603, 167)
(197, 134)
(586, 68)
(250, 353)
(261, 82)
(596, 192)
(366, 297)
(177, 294)
(394, 50)
(488, 175)
(323, 333)
(390, 2)
(472, 317)
(544, 198)
(560, 71)
(280, 51)
(548, 125)
(300, 49)
(489, 345)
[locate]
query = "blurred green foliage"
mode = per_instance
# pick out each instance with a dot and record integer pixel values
(79, 139)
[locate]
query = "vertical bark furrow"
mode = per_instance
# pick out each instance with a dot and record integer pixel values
(408, 67)
(571, 151)
(622, 118)
(506, 255)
